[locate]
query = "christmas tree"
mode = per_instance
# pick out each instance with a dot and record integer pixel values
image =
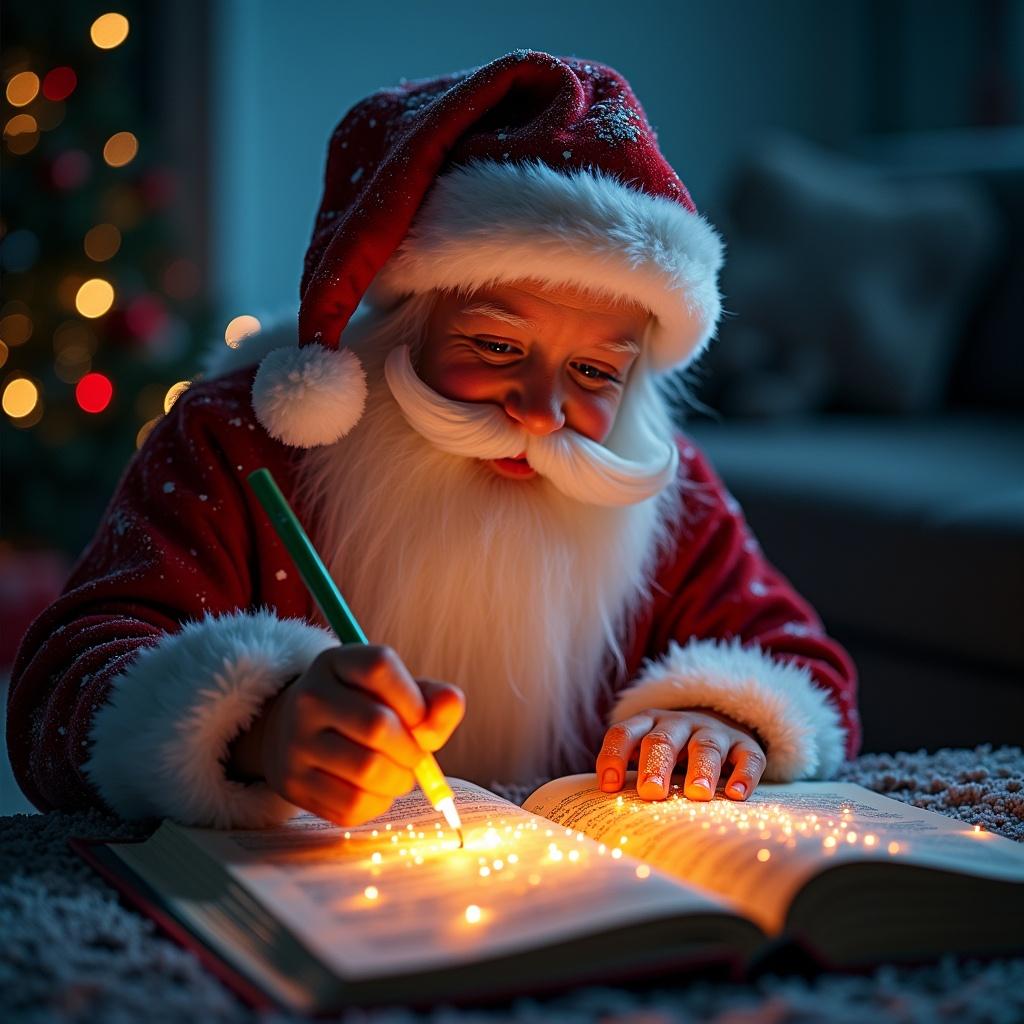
(101, 310)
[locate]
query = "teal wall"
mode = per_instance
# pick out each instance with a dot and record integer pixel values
(712, 76)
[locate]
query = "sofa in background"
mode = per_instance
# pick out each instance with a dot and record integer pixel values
(864, 402)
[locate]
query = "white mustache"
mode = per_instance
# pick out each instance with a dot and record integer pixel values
(577, 466)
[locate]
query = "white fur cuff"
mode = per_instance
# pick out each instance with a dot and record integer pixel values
(160, 741)
(800, 726)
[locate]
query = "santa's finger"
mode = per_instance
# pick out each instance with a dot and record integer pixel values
(379, 671)
(705, 752)
(446, 706)
(339, 801)
(374, 725)
(749, 764)
(368, 769)
(659, 753)
(619, 743)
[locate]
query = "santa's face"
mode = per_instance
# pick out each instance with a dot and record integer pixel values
(549, 356)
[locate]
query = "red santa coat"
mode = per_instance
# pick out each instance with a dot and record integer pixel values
(184, 614)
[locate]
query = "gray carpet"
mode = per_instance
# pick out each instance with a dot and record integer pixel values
(71, 952)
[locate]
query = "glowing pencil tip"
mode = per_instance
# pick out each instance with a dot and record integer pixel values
(451, 815)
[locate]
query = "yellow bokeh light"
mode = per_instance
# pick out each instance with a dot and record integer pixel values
(21, 124)
(20, 398)
(21, 134)
(15, 329)
(174, 392)
(102, 242)
(239, 329)
(109, 30)
(22, 88)
(473, 914)
(371, 892)
(120, 149)
(94, 297)
(643, 871)
(763, 855)
(145, 430)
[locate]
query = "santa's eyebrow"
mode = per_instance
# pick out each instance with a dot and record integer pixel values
(498, 312)
(508, 316)
(621, 345)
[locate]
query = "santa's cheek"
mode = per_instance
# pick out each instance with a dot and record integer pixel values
(594, 418)
(462, 383)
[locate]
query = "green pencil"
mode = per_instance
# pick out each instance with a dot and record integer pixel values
(338, 614)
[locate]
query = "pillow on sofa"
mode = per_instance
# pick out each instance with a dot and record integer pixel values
(844, 290)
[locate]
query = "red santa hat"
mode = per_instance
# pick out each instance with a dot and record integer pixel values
(531, 166)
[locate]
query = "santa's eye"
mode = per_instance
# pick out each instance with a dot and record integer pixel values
(497, 348)
(594, 373)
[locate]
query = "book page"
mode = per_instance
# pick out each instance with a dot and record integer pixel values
(759, 852)
(398, 895)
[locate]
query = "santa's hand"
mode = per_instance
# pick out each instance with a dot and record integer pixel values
(342, 740)
(704, 739)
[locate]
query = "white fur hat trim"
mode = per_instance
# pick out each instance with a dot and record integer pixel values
(487, 222)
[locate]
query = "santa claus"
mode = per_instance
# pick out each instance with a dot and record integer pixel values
(474, 420)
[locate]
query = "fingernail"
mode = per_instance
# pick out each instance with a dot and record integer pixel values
(654, 780)
(702, 783)
(739, 787)
(610, 777)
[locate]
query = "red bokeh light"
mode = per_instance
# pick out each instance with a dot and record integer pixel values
(94, 392)
(59, 84)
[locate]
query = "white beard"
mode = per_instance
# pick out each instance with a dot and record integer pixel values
(519, 595)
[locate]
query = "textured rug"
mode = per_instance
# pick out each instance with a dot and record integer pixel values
(71, 952)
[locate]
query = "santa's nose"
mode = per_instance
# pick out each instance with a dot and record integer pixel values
(537, 409)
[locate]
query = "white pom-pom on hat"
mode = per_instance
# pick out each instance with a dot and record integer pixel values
(309, 395)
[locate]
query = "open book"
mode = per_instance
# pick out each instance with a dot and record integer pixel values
(577, 885)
